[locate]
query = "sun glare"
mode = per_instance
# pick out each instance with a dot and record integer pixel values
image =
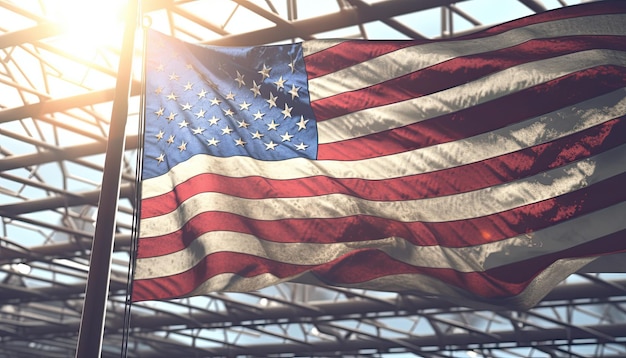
(89, 24)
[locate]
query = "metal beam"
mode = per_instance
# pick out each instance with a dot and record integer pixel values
(62, 104)
(428, 343)
(60, 250)
(61, 153)
(345, 18)
(534, 5)
(29, 35)
(60, 201)
(283, 26)
(322, 311)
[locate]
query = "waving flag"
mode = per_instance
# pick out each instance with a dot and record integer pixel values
(487, 168)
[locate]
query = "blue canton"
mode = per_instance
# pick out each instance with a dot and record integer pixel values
(225, 101)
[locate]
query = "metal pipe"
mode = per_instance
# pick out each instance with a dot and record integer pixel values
(96, 293)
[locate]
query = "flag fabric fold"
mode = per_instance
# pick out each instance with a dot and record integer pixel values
(486, 168)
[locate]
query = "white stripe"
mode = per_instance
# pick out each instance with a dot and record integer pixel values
(447, 155)
(423, 283)
(426, 285)
(540, 286)
(488, 88)
(463, 259)
(460, 206)
(313, 46)
(407, 60)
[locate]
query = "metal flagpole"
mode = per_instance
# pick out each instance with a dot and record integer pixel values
(96, 293)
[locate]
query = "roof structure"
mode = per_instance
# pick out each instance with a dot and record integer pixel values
(56, 95)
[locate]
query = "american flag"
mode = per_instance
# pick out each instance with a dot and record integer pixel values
(485, 168)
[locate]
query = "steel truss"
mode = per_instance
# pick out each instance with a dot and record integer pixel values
(55, 104)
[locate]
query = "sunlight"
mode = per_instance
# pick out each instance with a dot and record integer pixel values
(89, 24)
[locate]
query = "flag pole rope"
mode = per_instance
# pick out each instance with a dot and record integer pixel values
(147, 21)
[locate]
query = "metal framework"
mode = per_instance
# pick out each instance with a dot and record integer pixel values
(55, 104)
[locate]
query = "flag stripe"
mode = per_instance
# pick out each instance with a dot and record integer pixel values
(424, 283)
(406, 60)
(492, 171)
(337, 56)
(475, 231)
(602, 9)
(356, 268)
(447, 155)
(468, 205)
(485, 89)
(463, 259)
(471, 121)
(456, 72)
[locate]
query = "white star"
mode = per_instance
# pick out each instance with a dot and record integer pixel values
(257, 135)
(286, 137)
(182, 124)
(158, 90)
(272, 126)
(159, 113)
(270, 146)
(294, 92)
(258, 115)
(182, 146)
(174, 77)
(202, 94)
(292, 65)
(244, 106)
(302, 123)
(186, 106)
(230, 96)
(213, 121)
(160, 135)
(228, 112)
(160, 68)
(265, 72)
(160, 158)
(240, 80)
(172, 96)
(280, 83)
(188, 86)
(170, 140)
(240, 142)
(272, 100)
(243, 124)
(171, 116)
(301, 146)
(256, 89)
(189, 66)
(287, 111)
(213, 141)
(200, 113)
(198, 130)
(215, 102)
(226, 130)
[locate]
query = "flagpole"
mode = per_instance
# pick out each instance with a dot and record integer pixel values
(96, 292)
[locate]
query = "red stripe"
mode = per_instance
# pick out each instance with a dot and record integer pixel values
(569, 12)
(357, 267)
(504, 281)
(352, 52)
(461, 233)
(493, 171)
(349, 53)
(212, 265)
(456, 72)
(482, 118)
